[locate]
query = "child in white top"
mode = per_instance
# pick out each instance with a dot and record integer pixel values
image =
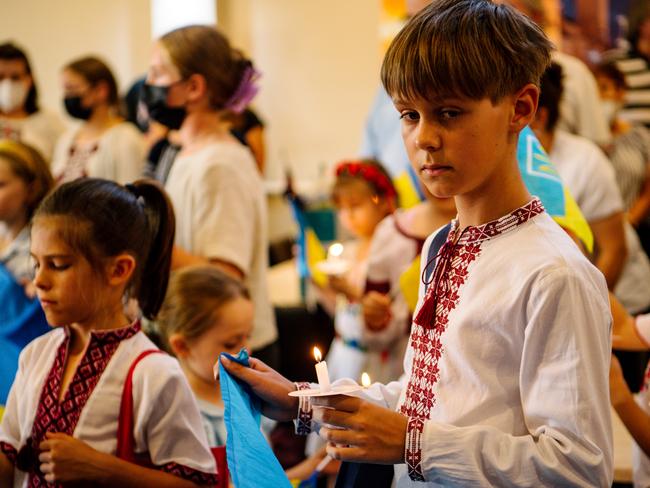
(505, 378)
(104, 145)
(95, 243)
(214, 183)
(363, 195)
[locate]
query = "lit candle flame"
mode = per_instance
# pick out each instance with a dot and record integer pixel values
(335, 250)
(317, 355)
(365, 380)
(375, 199)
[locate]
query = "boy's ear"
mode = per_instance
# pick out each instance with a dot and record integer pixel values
(121, 269)
(178, 345)
(525, 106)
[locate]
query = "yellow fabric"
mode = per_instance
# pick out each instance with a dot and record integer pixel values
(408, 194)
(315, 252)
(574, 221)
(409, 282)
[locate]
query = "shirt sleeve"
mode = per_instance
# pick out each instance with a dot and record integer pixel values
(168, 423)
(564, 395)
(225, 217)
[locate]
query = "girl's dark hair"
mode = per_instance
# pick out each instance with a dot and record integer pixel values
(104, 219)
(193, 301)
(11, 52)
(610, 71)
(95, 71)
(551, 93)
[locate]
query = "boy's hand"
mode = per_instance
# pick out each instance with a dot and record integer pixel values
(619, 392)
(376, 310)
(66, 459)
(269, 385)
(372, 433)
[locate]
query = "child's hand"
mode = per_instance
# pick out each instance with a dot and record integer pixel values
(370, 433)
(66, 459)
(269, 385)
(376, 310)
(340, 284)
(618, 390)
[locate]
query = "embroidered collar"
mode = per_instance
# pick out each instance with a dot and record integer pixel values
(484, 232)
(112, 335)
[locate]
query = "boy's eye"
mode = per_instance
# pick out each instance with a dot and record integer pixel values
(411, 116)
(448, 114)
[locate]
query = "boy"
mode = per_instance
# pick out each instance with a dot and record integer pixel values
(506, 371)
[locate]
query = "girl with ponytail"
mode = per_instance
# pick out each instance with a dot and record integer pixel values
(95, 244)
(196, 80)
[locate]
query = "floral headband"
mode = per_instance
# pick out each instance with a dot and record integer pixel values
(245, 92)
(369, 172)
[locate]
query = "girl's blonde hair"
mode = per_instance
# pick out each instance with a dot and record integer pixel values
(28, 165)
(193, 300)
(200, 49)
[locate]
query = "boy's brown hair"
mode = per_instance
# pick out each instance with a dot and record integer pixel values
(465, 48)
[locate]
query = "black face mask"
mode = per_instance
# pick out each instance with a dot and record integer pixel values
(75, 109)
(155, 99)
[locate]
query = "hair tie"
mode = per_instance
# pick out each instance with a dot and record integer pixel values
(131, 188)
(245, 92)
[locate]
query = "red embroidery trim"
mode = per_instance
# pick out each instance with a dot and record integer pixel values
(452, 274)
(305, 412)
(413, 448)
(9, 451)
(191, 474)
(55, 416)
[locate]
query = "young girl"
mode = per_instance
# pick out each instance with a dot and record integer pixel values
(104, 145)
(214, 183)
(393, 277)
(25, 179)
(21, 118)
(205, 313)
(363, 195)
(96, 243)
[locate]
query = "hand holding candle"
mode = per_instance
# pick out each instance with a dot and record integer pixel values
(335, 264)
(321, 371)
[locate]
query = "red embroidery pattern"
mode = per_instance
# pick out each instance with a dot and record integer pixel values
(426, 338)
(9, 451)
(190, 474)
(413, 454)
(55, 416)
(646, 379)
(305, 412)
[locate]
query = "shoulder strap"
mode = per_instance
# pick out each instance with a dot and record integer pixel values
(125, 439)
(436, 244)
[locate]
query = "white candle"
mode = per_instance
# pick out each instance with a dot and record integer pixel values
(321, 371)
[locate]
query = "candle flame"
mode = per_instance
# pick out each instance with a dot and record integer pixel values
(365, 380)
(375, 199)
(335, 250)
(317, 355)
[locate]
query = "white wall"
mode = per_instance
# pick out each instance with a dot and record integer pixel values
(320, 64)
(54, 32)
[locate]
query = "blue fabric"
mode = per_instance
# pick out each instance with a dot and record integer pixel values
(21, 320)
(251, 461)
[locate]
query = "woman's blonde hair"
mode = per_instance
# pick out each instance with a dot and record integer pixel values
(194, 298)
(28, 165)
(199, 49)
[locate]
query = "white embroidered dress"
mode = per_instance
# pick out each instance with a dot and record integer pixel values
(166, 419)
(509, 385)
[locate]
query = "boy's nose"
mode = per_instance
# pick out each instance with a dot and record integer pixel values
(427, 137)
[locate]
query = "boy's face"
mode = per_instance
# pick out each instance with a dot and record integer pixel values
(456, 145)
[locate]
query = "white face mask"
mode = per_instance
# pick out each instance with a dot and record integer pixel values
(12, 95)
(610, 109)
